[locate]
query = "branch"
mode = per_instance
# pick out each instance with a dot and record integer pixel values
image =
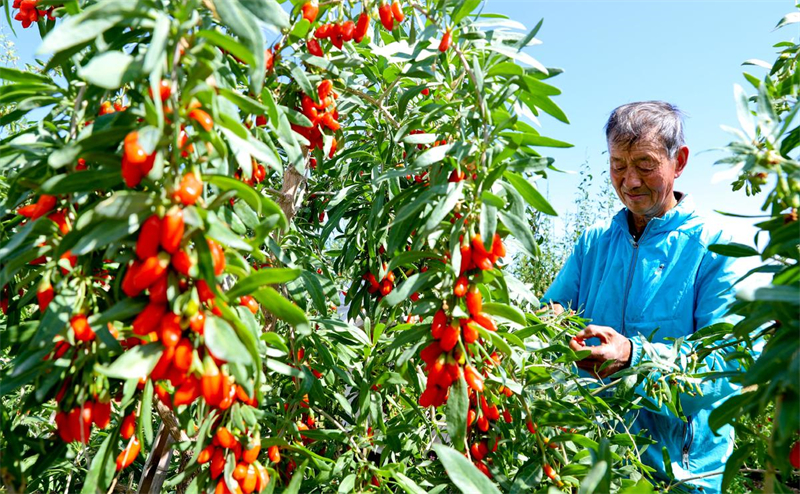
(171, 423)
(375, 102)
(73, 126)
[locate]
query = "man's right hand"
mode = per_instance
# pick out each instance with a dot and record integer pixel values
(557, 309)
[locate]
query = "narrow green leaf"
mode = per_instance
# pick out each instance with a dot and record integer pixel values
(223, 342)
(734, 249)
(457, 408)
(261, 278)
(529, 192)
(109, 70)
(463, 473)
(135, 363)
(280, 307)
(522, 232)
(228, 44)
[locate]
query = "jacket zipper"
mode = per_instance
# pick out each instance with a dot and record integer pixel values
(635, 245)
(628, 283)
(688, 437)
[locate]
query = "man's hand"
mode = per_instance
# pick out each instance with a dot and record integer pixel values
(613, 346)
(556, 308)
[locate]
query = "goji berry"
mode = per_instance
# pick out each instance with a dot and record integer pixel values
(202, 118)
(81, 328)
(444, 44)
(362, 26)
(164, 90)
(190, 189)
(128, 427)
(310, 11)
(128, 454)
(274, 454)
(151, 269)
(387, 19)
(172, 230)
(397, 11)
(149, 319)
(134, 152)
(314, 48)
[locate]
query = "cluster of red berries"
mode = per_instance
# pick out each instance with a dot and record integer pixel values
(258, 175)
(338, 34)
(445, 357)
(29, 13)
(248, 472)
(322, 115)
(77, 424)
(390, 13)
(137, 163)
(383, 288)
(45, 206)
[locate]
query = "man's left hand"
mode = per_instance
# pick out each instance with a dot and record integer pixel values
(613, 346)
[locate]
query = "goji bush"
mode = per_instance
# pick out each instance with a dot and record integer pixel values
(234, 265)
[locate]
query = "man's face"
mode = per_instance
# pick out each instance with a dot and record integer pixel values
(643, 175)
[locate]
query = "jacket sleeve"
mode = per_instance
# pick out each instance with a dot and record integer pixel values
(566, 287)
(713, 293)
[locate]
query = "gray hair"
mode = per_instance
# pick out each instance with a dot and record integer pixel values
(629, 123)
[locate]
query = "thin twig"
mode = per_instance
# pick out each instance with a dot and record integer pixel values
(375, 102)
(349, 436)
(73, 126)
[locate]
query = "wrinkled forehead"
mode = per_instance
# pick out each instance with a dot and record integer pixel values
(648, 144)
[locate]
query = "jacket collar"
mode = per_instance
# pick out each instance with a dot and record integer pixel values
(671, 220)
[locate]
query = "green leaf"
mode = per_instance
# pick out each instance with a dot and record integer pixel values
(109, 70)
(102, 234)
(314, 288)
(505, 311)
(228, 44)
(82, 181)
(521, 231)
(146, 412)
(247, 104)
(735, 461)
(593, 478)
(465, 9)
(264, 206)
(734, 249)
(297, 479)
(284, 369)
(457, 408)
(348, 484)
(119, 206)
(158, 43)
(529, 192)
(242, 22)
(261, 278)
(135, 363)
(431, 156)
(743, 111)
(95, 477)
(224, 344)
(403, 292)
(463, 473)
(299, 76)
(23, 76)
(280, 307)
(268, 12)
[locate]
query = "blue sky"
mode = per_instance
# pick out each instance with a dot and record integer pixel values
(686, 52)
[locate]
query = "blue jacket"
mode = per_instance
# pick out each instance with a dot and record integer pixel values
(669, 282)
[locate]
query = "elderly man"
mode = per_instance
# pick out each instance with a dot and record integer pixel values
(649, 271)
